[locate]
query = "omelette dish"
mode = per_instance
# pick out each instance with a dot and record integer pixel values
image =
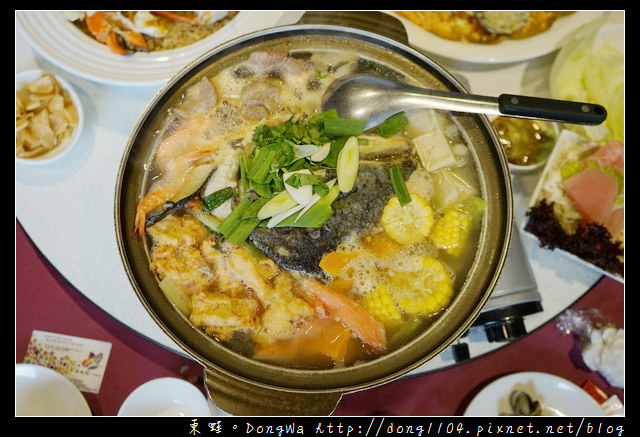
(295, 237)
(484, 27)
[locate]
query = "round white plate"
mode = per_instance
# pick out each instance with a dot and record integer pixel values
(558, 396)
(41, 391)
(63, 44)
(506, 51)
(166, 397)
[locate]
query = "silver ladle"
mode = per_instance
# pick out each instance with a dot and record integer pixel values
(375, 98)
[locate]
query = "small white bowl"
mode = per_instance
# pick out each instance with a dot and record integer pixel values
(166, 397)
(41, 391)
(29, 76)
(516, 168)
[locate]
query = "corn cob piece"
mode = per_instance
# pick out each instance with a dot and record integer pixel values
(425, 292)
(450, 232)
(379, 303)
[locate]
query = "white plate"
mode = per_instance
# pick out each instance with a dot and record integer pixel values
(63, 44)
(25, 77)
(41, 391)
(506, 51)
(166, 397)
(558, 396)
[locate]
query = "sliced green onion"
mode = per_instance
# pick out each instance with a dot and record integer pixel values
(217, 198)
(265, 159)
(334, 150)
(245, 162)
(328, 114)
(399, 186)
(304, 150)
(277, 204)
(243, 222)
(227, 225)
(392, 125)
(299, 179)
(342, 126)
(242, 231)
(210, 221)
(348, 165)
(312, 216)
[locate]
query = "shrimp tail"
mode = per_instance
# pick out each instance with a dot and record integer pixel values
(149, 203)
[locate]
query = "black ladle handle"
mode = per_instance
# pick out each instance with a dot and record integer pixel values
(549, 109)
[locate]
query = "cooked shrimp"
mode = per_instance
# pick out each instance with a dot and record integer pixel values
(168, 185)
(204, 138)
(348, 312)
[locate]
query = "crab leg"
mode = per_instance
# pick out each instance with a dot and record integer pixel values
(102, 30)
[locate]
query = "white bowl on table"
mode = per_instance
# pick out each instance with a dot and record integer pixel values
(41, 391)
(28, 76)
(166, 397)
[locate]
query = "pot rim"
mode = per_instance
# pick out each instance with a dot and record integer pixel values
(264, 374)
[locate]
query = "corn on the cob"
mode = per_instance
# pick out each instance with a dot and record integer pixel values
(378, 302)
(451, 231)
(410, 223)
(425, 292)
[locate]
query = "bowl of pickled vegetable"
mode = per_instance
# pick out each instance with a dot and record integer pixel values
(527, 143)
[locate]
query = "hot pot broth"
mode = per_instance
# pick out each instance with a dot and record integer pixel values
(261, 238)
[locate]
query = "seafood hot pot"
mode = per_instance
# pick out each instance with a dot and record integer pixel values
(243, 386)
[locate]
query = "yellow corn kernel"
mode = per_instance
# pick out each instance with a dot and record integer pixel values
(451, 231)
(378, 302)
(410, 223)
(424, 292)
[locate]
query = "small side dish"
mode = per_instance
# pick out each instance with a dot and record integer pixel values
(484, 27)
(48, 115)
(527, 143)
(578, 205)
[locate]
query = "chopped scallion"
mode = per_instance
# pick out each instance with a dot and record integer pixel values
(299, 179)
(342, 126)
(392, 125)
(227, 225)
(348, 164)
(217, 198)
(242, 220)
(399, 186)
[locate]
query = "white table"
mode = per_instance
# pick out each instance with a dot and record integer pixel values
(67, 208)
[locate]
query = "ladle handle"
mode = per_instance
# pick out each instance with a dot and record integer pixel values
(553, 110)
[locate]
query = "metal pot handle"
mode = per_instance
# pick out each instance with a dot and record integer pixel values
(371, 21)
(238, 397)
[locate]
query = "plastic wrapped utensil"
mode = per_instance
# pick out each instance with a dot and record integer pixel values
(601, 342)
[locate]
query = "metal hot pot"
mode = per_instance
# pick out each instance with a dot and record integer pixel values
(242, 386)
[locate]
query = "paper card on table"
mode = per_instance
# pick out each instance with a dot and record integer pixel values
(81, 360)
